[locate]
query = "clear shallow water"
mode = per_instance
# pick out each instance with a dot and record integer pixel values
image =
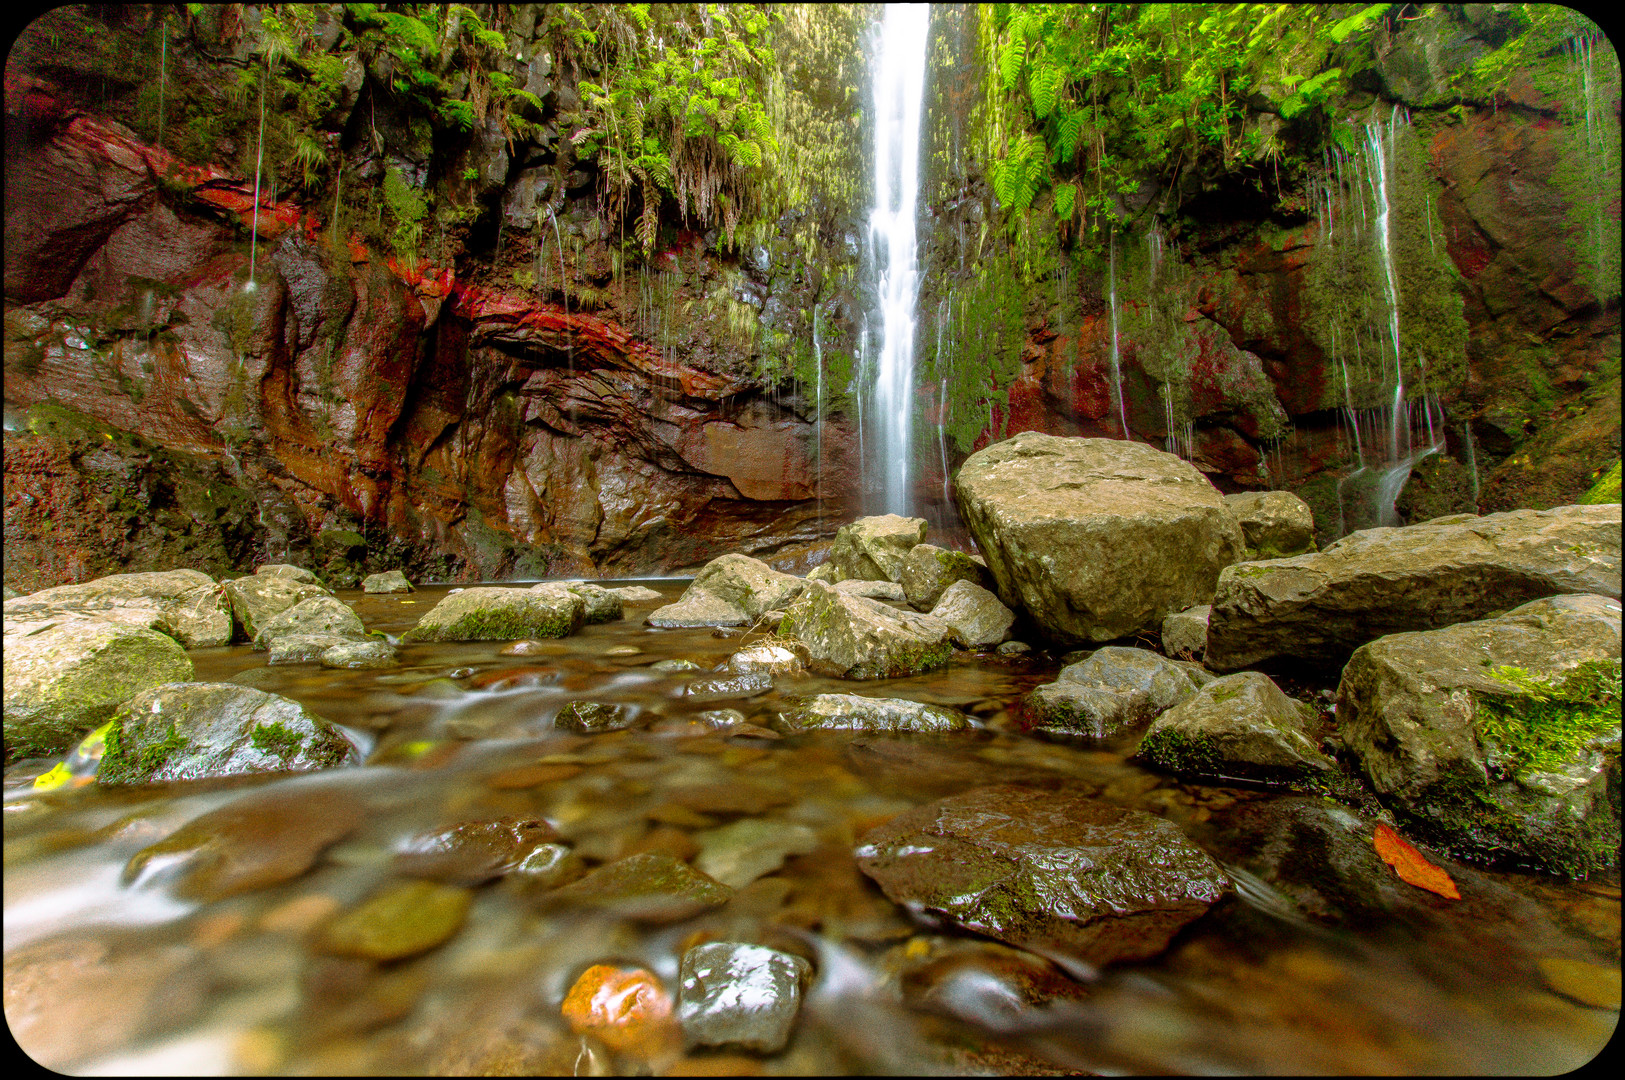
(108, 976)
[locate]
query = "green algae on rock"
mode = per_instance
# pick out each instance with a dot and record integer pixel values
(398, 921)
(188, 731)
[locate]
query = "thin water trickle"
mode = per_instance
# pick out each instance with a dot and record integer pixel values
(899, 90)
(1117, 375)
(1472, 458)
(259, 163)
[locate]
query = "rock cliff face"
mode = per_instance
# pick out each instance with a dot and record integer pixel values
(523, 397)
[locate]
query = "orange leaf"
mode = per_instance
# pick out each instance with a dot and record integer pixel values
(626, 1008)
(1410, 864)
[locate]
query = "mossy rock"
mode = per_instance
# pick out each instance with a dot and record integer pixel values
(499, 614)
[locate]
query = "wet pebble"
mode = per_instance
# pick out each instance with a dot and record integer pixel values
(360, 655)
(473, 851)
(736, 686)
(592, 716)
(400, 920)
(739, 853)
(651, 887)
(627, 1009)
(534, 647)
(675, 665)
(623, 650)
(732, 993)
(768, 660)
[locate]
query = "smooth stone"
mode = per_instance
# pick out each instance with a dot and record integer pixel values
(1048, 871)
(975, 617)
(1110, 689)
(637, 594)
(733, 993)
(186, 605)
(401, 920)
(258, 598)
(650, 887)
(600, 604)
(390, 581)
(738, 853)
(473, 851)
(873, 548)
(303, 648)
(1240, 727)
(501, 614)
(747, 685)
(315, 615)
(360, 655)
(1274, 524)
(675, 665)
(874, 590)
(190, 731)
(731, 590)
(767, 660)
(1184, 633)
(288, 570)
(853, 712)
(928, 570)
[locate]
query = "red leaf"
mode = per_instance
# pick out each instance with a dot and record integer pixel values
(1410, 864)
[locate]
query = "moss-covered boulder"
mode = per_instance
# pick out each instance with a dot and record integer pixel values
(731, 590)
(1240, 727)
(188, 731)
(857, 638)
(1112, 688)
(873, 548)
(1048, 871)
(187, 605)
(928, 570)
(1319, 608)
(853, 712)
(318, 615)
(70, 676)
(1095, 538)
(1499, 737)
(493, 613)
(1274, 524)
(258, 598)
(1605, 490)
(390, 581)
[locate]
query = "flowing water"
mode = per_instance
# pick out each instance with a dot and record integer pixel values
(1117, 374)
(111, 976)
(899, 90)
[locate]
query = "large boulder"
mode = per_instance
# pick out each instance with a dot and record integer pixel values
(1048, 871)
(1096, 538)
(185, 604)
(731, 590)
(928, 570)
(857, 638)
(71, 675)
(975, 617)
(1240, 727)
(1451, 732)
(873, 548)
(1112, 688)
(189, 731)
(1274, 524)
(317, 615)
(258, 598)
(497, 614)
(1320, 608)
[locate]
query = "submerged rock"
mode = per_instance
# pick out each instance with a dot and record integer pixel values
(258, 598)
(1095, 538)
(731, 590)
(188, 731)
(1184, 633)
(187, 605)
(1448, 729)
(1320, 608)
(499, 614)
(1113, 688)
(67, 677)
(589, 717)
(733, 993)
(1047, 871)
(975, 617)
(857, 638)
(928, 571)
(360, 654)
(474, 851)
(390, 581)
(873, 548)
(1239, 727)
(650, 887)
(852, 712)
(263, 839)
(400, 920)
(738, 853)
(1274, 524)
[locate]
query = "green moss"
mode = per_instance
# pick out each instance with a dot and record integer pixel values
(132, 759)
(1179, 752)
(1544, 723)
(1605, 490)
(276, 738)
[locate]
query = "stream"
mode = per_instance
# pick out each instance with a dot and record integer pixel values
(108, 976)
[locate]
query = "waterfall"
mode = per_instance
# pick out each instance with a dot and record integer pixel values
(259, 162)
(899, 90)
(1117, 374)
